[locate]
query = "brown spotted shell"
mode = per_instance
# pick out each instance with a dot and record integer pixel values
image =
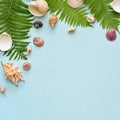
(12, 73)
(53, 20)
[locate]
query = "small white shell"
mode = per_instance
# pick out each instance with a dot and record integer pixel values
(71, 30)
(91, 19)
(5, 42)
(42, 6)
(3, 90)
(29, 50)
(116, 5)
(33, 8)
(75, 3)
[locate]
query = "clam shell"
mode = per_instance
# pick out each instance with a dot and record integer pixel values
(5, 42)
(115, 5)
(33, 8)
(75, 3)
(42, 6)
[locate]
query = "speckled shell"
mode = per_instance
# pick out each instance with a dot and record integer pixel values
(53, 20)
(12, 73)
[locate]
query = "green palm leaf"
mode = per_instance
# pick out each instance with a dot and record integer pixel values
(74, 17)
(16, 20)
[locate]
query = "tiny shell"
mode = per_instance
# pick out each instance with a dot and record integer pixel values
(42, 6)
(2, 90)
(71, 30)
(115, 5)
(26, 66)
(53, 20)
(5, 42)
(75, 3)
(29, 50)
(33, 8)
(91, 19)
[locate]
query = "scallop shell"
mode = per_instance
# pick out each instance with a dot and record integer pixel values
(5, 42)
(33, 8)
(12, 73)
(75, 3)
(115, 5)
(42, 6)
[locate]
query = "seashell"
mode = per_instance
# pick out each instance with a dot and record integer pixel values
(2, 90)
(26, 66)
(115, 5)
(75, 3)
(12, 73)
(5, 42)
(71, 30)
(42, 6)
(91, 19)
(39, 42)
(53, 20)
(33, 8)
(29, 50)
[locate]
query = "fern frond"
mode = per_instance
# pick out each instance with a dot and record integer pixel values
(16, 20)
(74, 17)
(103, 13)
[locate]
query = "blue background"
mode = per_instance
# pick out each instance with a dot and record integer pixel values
(73, 77)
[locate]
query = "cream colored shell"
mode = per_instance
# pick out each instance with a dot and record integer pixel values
(33, 8)
(38, 8)
(75, 3)
(42, 6)
(116, 5)
(5, 42)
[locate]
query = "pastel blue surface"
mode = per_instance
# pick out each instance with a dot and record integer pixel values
(73, 77)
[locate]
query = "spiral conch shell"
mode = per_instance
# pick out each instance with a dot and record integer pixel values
(115, 5)
(38, 8)
(12, 73)
(75, 3)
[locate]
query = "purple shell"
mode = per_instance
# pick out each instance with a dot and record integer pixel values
(111, 35)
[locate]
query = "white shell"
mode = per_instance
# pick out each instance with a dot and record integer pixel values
(5, 42)
(75, 3)
(91, 19)
(33, 8)
(42, 6)
(116, 5)
(71, 30)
